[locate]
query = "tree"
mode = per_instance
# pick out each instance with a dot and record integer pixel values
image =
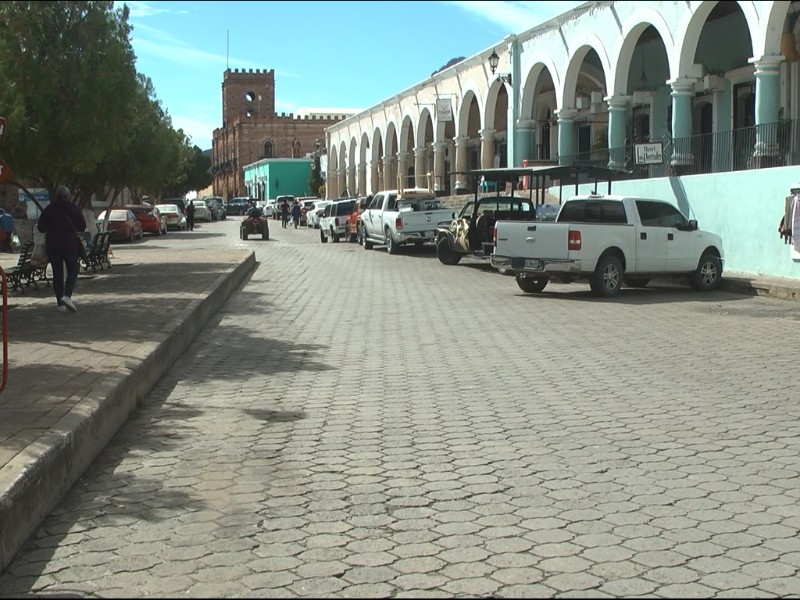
(77, 111)
(450, 63)
(315, 180)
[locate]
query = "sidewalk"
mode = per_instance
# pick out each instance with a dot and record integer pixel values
(74, 378)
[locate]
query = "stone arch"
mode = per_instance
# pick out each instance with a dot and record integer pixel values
(538, 107)
(532, 85)
(376, 166)
(642, 18)
(469, 97)
(583, 45)
(424, 127)
(767, 41)
(691, 28)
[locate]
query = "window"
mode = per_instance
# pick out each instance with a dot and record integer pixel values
(392, 204)
(614, 212)
(648, 213)
(669, 215)
(345, 208)
(377, 200)
(571, 211)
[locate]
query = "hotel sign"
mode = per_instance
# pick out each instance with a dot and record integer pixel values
(649, 154)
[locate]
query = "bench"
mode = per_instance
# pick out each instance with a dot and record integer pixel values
(96, 252)
(24, 274)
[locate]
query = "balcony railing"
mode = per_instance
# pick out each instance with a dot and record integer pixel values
(759, 146)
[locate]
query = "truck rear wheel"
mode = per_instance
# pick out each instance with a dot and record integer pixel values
(322, 237)
(392, 247)
(708, 275)
(446, 255)
(531, 285)
(606, 280)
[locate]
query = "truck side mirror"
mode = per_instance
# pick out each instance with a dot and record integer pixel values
(692, 225)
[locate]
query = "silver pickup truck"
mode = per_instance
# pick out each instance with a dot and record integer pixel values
(398, 217)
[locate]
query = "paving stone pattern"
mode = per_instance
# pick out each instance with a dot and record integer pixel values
(354, 424)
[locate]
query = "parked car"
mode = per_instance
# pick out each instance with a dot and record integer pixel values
(150, 217)
(270, 208)
(333, 224)
(201, 211)
(217, 207)
(305, 206)
(314, 214)
(354, 216)
(122, 225)
(173, 215)
(179, 202)
(237, 205)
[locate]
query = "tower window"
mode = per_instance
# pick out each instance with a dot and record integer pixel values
(250, 96)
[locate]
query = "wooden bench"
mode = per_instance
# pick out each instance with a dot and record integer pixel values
(24, 274)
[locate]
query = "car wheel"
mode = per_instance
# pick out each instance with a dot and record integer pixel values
(636, 282)
(391, 246)
(606, 280)
(531, 285)
(446, 255)
(322, 237)
(708, 275)
(367, 243)
(334, 236)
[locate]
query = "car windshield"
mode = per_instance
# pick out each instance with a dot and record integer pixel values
(170, 208)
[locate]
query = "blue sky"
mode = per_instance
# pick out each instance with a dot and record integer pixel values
(324, 54)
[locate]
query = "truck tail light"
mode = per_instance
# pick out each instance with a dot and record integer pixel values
(398, 223)
(494, 236)
(574, 241)
(336, 221)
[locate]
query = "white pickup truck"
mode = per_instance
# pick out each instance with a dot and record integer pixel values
(397, 217)
(609, 240)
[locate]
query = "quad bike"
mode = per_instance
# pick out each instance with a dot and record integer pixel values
(254, 224)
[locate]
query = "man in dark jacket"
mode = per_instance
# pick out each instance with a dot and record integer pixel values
(61, 221)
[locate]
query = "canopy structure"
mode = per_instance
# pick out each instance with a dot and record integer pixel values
(537, 179)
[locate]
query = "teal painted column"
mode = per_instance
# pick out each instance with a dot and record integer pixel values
(682, 95)
(525, 140)
(617, 128)
(768, 87)
(566, 135)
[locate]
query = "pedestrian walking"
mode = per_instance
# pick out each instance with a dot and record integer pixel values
(7, 230)
(297, 210)
(284, 213)
(190, 215)
(60, 221)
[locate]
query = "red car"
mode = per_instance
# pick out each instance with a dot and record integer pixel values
(150, 218)
(351, 232)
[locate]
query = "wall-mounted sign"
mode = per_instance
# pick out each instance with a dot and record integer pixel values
(444, 110)
(649, 154)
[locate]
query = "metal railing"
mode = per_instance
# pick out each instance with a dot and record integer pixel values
(756, 147)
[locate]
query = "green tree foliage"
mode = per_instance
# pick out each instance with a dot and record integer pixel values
(315, 180)
(77, 111)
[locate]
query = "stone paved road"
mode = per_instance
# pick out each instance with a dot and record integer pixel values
(356, 424)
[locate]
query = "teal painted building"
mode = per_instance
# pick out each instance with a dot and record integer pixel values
(272, 177)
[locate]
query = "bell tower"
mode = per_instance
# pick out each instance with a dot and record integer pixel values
(249, 94)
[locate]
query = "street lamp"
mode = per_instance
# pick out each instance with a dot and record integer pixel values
(494, 60)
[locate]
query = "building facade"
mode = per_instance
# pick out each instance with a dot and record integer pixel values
(704, 88)
(252, 131)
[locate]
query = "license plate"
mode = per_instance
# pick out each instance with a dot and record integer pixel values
(531, 263)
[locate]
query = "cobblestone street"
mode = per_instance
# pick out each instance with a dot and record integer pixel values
(356, 424)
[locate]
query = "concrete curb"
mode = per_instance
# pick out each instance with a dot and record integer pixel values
(785, 289)
(33, 483)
